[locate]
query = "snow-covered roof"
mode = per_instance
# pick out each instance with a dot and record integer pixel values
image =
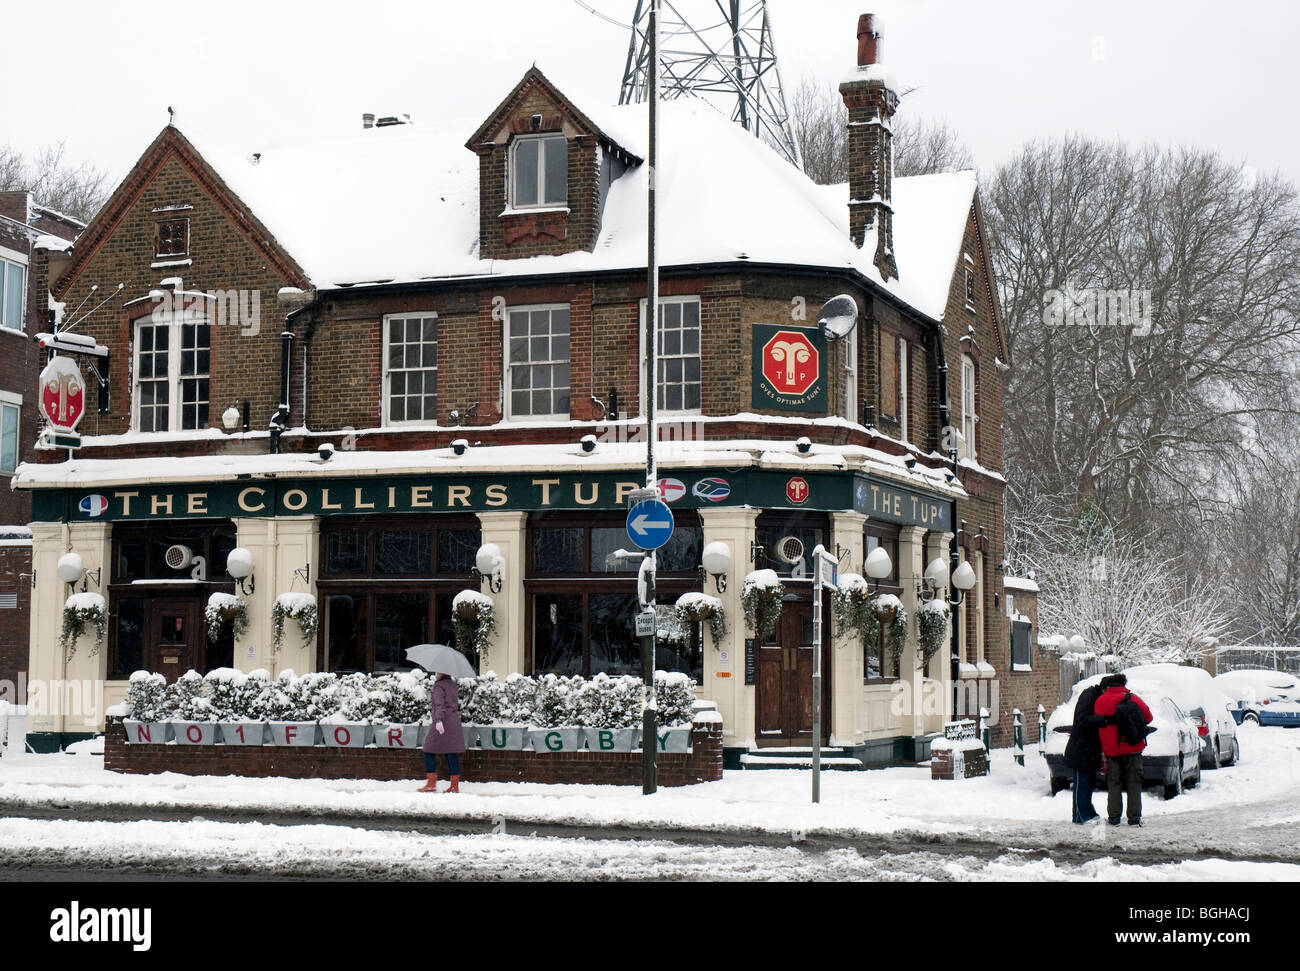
(401, 204)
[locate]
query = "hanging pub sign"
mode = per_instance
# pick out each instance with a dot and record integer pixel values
(63, 394)
(789, 368)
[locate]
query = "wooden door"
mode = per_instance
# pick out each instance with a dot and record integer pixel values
(174, 634)
(784, 681)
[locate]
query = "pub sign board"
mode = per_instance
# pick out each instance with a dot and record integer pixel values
(259, 498)
(790, 369)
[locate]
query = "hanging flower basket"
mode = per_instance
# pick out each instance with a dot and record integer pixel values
(473, 623)
(888, 609)
(82, 612)
(932, 624)
(224, 611)
(761, 599)
(851, 609)
(299, 607)
(700, 608)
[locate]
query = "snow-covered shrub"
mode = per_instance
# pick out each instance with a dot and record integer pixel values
(611, 702)
(299, 607)
(932, 625)
(700, 608)
(556, 701)
(146, 695)
(481, 699)
(225, 610)
(224, 688)
(185, 700)
(313, 696)
(408, 697)
(519, 696)
(761, 598)
(81, 612)
(675, 697)
(473, 622)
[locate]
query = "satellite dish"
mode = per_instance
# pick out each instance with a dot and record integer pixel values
(838, 317)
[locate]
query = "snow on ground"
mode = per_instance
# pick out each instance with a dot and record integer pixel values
(1242, 805)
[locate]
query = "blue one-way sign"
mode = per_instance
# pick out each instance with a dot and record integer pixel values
(650, 524)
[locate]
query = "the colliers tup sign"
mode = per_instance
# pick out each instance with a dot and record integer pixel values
(789, 369)
(378, 495)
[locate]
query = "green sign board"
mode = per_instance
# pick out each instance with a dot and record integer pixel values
(790, 369)
(450, 493)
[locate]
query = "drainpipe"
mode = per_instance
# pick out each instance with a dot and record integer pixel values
(304, 300)
(954, 552)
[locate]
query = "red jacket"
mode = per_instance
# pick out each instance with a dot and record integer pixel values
(1111, 746)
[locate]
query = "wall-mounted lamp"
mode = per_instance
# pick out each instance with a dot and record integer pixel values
(239, 564)
(878, 566)
(71, 569)
(936, 578)
(757, 553)
(714, 562)
(489, 564)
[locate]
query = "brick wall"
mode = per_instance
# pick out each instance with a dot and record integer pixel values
(14, 623)
(1027, 690)
(702, 764)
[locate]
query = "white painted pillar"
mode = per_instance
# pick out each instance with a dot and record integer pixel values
(297, 548)
(254, 650)
(848, 702)
(911, 567)
(724, 682)
(509, 530)
(938, 694)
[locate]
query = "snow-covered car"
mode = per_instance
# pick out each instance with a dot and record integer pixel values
(1262, 696)
(1172, 758)
(1194, 691)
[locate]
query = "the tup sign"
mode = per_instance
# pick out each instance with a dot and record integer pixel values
(789, 368)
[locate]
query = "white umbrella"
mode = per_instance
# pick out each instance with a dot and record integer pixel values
(441, 659)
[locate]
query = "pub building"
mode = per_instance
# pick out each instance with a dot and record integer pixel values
(444, 334)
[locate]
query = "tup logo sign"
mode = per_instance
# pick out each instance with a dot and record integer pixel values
(63, 393)
(789, 368)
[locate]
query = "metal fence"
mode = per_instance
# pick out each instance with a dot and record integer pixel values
(1272, 657)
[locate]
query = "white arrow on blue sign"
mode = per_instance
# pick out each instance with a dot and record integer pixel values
(650, 524)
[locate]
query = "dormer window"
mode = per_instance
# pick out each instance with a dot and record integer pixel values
(541, 172)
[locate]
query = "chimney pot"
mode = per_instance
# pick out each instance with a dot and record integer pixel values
(367, 120)
(870, 39)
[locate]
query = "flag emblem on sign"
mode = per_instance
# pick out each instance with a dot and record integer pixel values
(714, 490)
(94, 505)
(670, 490)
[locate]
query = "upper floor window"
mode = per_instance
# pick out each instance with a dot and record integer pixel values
(173, 238)
(968, 401)
(537, 362)
(540, 168)
(677, 353)
(411, 368)
(904, 387)
(851, 376)
(9, 415)
(13, 287)
(172, 369)
(970, 287)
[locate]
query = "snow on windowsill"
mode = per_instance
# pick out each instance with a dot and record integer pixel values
(534, 211)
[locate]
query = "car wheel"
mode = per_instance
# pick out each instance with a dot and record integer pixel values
(1174, 789)
(1250, 716)
(1059, 784)
(1236, 752)
(1196, 779)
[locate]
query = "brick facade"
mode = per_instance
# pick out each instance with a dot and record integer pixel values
(702, 764)
(15, 570)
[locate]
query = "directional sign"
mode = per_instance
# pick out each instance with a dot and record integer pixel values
(650, 524)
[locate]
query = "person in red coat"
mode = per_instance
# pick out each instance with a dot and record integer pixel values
(445, 735)
(1123, 761)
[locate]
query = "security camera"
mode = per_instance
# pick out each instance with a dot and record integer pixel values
(325, 451)
(910, 462)
(589, 443)
(459, 446)
(804, 445)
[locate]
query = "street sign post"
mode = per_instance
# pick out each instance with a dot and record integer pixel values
(650, 524)
(825, 573)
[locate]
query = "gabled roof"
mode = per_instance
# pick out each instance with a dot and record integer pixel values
(400, 204)
(171, 144)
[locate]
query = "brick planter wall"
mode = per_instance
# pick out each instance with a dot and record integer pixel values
(702, 764)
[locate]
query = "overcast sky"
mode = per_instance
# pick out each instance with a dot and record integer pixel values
(99, 74)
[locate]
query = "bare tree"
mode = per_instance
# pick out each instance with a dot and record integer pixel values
(75, 190)
(1152, 303)
(821, 121)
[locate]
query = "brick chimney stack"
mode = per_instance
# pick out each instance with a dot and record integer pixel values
(871, 97)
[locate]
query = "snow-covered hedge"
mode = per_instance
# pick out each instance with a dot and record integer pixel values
(402, 698)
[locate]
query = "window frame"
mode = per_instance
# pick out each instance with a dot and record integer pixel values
(507, 383)
(176, 323)
(904, 385)
(8, 400)
(511, 186)
(851, 376)
(969, 406)
(385, 420)
(681, 300)
(890, 536)
(158, 233)
(12, 260)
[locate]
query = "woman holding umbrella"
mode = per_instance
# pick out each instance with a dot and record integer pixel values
(445, 735)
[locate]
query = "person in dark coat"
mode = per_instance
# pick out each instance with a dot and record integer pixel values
(1123, 761)
(1083, 753)
(445, 735)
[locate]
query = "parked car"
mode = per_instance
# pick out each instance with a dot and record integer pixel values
(1172, 758)
(1262, 696)
(1195, 692)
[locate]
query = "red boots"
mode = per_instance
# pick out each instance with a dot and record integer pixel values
(432, 784)
(455, 784)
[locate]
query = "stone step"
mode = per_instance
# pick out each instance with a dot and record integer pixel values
(831, 763)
